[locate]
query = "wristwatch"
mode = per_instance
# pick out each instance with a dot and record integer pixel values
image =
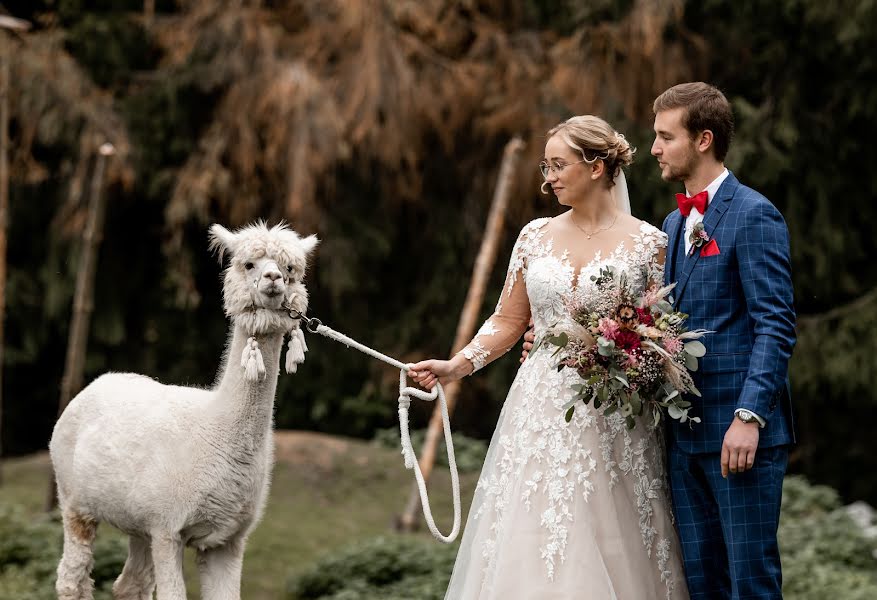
(746, 416)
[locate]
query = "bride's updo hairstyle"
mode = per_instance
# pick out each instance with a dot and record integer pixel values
(594, 139)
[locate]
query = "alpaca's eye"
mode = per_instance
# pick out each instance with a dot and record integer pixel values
(248, 266)
(289, 269)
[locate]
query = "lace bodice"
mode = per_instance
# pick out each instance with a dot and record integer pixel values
(544, 276)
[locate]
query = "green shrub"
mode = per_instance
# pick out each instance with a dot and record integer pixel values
(385, 568)
(824, 553)
(30, 549)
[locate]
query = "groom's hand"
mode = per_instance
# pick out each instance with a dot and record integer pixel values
(739, 447)
(529, 340)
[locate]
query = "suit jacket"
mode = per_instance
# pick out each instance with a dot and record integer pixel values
(744, 295)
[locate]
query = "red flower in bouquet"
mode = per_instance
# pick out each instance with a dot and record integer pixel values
(645, 317)
(627, 340)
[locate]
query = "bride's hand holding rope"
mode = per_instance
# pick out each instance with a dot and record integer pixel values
(427, 372)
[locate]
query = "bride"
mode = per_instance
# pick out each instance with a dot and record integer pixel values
(579, 509)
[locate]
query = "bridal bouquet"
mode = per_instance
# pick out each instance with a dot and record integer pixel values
(632, 352)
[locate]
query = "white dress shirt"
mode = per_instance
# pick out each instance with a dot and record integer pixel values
(695, 217)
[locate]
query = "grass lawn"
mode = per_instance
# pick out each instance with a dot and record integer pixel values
(326, 493)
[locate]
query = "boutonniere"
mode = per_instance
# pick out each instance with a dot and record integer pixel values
(698, 237)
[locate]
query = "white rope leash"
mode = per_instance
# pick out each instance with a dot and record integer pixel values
(405, 393)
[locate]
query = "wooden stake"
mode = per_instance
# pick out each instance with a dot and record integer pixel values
(83, 304)
(148, 12)
(466, 326)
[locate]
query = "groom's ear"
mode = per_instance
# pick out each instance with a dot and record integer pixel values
(704, 141)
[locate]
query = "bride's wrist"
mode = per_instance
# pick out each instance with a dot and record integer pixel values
(461, 366)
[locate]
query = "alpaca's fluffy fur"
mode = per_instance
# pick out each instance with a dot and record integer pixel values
(174, 466)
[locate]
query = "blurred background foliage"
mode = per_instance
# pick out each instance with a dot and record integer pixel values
(379, 125)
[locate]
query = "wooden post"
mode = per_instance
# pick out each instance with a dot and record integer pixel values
(11, 24)
(148, 12)
(466, 326)
(83, 305)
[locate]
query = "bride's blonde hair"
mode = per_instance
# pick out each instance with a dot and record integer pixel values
(595, 139)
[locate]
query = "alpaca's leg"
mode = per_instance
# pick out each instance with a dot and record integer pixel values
(137, 580)
(167, 558)
(220, 570)
(74, 570)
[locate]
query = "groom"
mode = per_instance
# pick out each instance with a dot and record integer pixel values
(728, 251)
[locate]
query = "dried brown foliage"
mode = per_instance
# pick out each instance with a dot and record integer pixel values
(308, 87)
(344, 82)
(626, 63)
(312, 84)
(54, 103)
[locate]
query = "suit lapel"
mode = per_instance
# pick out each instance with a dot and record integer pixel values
(674, 231)
(714, 213)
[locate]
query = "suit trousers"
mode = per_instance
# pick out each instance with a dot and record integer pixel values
(728, 527)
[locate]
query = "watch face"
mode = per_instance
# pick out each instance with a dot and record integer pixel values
(745, 415)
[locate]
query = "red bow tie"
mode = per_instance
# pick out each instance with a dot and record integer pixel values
(697, 201)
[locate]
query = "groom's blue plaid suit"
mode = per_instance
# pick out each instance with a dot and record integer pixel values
(744, 294)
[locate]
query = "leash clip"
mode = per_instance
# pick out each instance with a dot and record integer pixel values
(311, 324)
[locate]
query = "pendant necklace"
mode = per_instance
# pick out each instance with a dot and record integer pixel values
(596, 231)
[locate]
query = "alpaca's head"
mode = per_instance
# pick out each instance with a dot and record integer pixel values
(265, 270)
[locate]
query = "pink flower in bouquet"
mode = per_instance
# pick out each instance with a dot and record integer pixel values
(651, 296)
(627, 340)
(673, 345)
(630, 360)
(608, 328)
(645, 317)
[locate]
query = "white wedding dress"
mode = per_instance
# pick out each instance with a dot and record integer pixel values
(575, 510)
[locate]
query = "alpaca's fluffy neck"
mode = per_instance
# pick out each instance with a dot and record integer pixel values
(247, 406)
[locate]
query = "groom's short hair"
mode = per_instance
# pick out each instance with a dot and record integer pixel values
(705, 108)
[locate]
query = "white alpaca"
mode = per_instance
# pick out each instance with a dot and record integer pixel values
(175, 466)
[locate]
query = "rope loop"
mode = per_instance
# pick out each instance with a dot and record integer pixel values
(314, 325)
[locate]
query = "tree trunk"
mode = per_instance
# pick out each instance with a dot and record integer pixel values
(74, 365)
(466, 326)
(4, 210)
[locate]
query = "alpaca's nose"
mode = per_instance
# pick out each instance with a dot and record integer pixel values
(272, 275)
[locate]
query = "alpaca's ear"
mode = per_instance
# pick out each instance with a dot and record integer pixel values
(309, 243)
(222, 240)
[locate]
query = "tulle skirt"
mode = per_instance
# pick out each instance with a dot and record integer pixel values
(568, 510)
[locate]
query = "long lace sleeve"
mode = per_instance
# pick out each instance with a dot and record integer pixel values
(512, 314)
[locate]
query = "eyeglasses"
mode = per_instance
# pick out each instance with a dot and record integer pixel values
(546, 167)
